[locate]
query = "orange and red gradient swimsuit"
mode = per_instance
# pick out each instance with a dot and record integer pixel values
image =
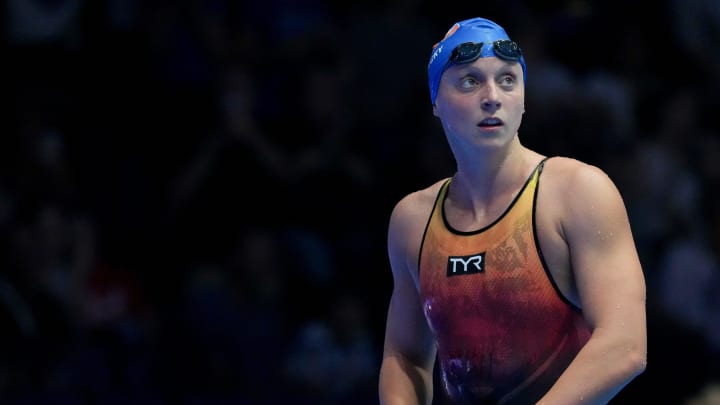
(504, 331)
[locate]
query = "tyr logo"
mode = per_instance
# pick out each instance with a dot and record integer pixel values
(459, 265)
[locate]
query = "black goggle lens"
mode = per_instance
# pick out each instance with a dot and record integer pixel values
(507, 49)
(466, 52)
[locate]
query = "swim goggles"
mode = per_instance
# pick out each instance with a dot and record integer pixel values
(470, 51)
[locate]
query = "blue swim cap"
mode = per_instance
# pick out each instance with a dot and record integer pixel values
(472, 30)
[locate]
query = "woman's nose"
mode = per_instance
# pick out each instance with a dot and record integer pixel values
(491, 99)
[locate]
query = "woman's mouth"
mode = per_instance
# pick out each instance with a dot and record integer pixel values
(490, 122)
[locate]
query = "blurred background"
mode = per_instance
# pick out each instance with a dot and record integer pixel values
(194, 194)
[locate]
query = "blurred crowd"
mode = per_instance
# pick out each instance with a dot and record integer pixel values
(194, 194)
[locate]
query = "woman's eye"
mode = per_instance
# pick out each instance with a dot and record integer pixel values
(468, 82)
(507, 80)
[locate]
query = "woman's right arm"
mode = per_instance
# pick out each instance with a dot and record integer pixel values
(409, 350)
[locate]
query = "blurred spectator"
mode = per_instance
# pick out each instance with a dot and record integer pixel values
(658, 162)
(334, 359)
(207, 203)
(113, 350)
(258, 269)
(51, 255)
(45, 171)
(689, 282)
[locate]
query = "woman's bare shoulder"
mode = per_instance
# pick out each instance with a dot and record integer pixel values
(578, 189)
(415, 205)
(420, 199)
(568, 175)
